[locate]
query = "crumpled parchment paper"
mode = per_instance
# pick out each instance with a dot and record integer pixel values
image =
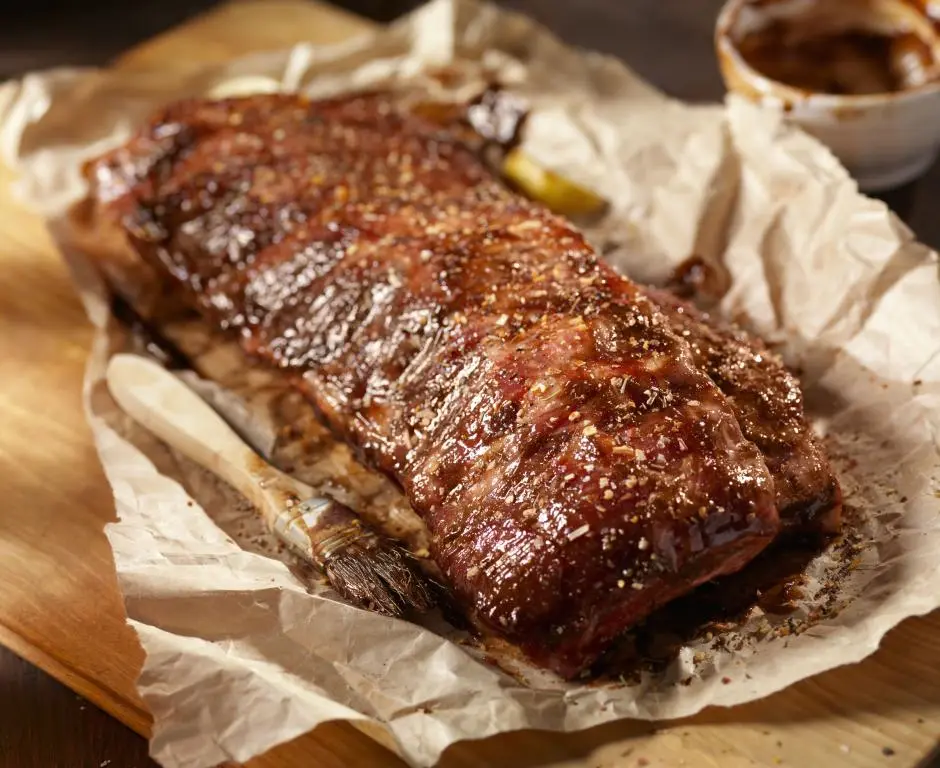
(240, 656)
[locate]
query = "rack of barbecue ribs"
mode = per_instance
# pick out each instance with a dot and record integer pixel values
(581, 452)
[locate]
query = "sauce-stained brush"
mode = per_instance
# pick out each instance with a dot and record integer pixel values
(365, 568)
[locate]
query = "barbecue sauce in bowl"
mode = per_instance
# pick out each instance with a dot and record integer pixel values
(847, 62)
(861, 76)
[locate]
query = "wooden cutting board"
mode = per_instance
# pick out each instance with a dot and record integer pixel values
(59, 603)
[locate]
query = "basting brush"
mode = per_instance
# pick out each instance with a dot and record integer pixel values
(365, 568)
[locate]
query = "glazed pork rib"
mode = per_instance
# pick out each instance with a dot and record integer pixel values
(768, 403)
(574, 467)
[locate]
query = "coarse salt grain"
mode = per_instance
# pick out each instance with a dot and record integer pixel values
(579, 532)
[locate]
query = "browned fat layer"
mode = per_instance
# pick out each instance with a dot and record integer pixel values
(573, 465)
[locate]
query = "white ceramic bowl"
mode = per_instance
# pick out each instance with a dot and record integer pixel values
(884, 140)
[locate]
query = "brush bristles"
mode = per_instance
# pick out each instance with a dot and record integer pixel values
(379, 576)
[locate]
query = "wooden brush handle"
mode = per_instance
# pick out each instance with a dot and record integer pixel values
(163, 404)
(365, 569)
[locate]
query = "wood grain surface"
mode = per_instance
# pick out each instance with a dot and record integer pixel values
(60, 607)
(46, 725)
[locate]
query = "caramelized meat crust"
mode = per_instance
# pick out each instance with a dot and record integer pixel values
(573, 464)
(768, 403)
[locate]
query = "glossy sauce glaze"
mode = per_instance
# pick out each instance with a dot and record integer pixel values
(573, 465)
(768, 403)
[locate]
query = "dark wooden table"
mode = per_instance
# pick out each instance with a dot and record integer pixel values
(44, 725)
(669, 42)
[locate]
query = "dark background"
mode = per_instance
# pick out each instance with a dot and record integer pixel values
(669, 42)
